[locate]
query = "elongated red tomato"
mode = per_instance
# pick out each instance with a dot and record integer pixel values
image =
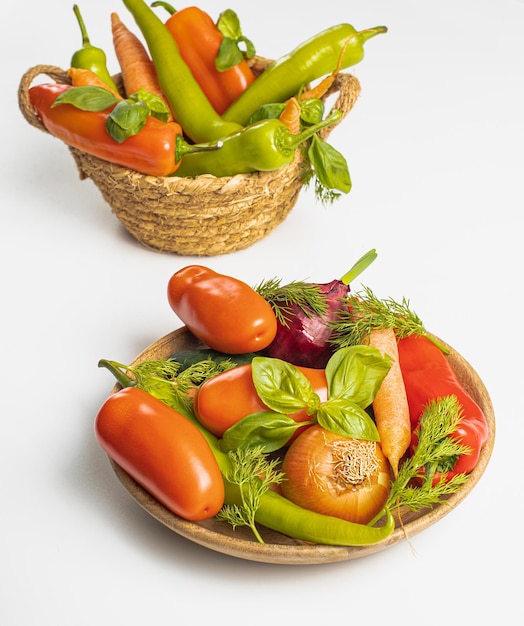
(225, 313)
(231, 395)
(163, 451)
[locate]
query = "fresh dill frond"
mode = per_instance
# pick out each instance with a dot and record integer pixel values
(307, 296)
(435, 446)
(163, 380)
(165, 369)
(367, 312)
(440, 419)
(426, 497)
(198, 373)
(254, 473)
(324, 195)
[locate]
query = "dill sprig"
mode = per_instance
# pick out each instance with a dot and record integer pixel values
(367, 312)
(254, 473)
(159, 377)
(163, 379)
(307, 296)
(324, 195)
(435, 451)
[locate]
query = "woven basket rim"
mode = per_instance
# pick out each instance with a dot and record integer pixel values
(347, 86)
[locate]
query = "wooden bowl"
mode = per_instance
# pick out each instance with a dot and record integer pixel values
(278, 548)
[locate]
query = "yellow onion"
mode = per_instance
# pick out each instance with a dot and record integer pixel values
(335, 475)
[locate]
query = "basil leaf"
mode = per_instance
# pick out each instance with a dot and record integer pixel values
(229, 24)
(356, 373)
(267, 430)
(282, 387)
(330, 166)
(312, 110)
(346, 418)
(266, 112)
(156, 105)
(228, 55)
(249, 48)
(127, 119)
(88, 98)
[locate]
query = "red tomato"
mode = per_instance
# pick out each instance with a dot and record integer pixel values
(225, 313)
(163, 451)
(228, 397)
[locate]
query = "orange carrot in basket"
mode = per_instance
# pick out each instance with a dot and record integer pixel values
(290, 116)
(81, 77)
(138, 70)
(324, 85)
(390, 406)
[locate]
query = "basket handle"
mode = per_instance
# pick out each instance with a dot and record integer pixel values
(53, 72)
(348, 88)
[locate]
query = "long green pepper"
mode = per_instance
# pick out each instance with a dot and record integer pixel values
(263, 146)
(190, 106)
(276, 512)
(311, 60)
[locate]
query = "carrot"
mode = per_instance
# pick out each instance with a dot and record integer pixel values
(324, 85)
(86, 78)
(138, 70)
(290, 116)
(390, 406)
(321, 89)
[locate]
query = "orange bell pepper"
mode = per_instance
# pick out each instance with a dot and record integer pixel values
(198, 39)
(151, 151)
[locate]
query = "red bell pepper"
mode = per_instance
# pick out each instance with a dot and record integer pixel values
(429, 376)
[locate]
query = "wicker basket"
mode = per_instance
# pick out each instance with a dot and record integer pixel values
(202, 216)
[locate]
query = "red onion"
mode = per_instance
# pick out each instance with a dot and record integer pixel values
(305, 341)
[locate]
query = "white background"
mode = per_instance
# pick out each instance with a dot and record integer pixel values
(435, 149)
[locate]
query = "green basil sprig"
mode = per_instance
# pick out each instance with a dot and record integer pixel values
(266, 430)
(87, 98)
(127, 117)
(235, 46)
(354, 375)
(282, 387)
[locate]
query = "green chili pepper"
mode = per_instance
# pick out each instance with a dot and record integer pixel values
(263, 146)
(313, 59)
(274, 511)
(190, 106)
(89, 57)
(281, 515)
